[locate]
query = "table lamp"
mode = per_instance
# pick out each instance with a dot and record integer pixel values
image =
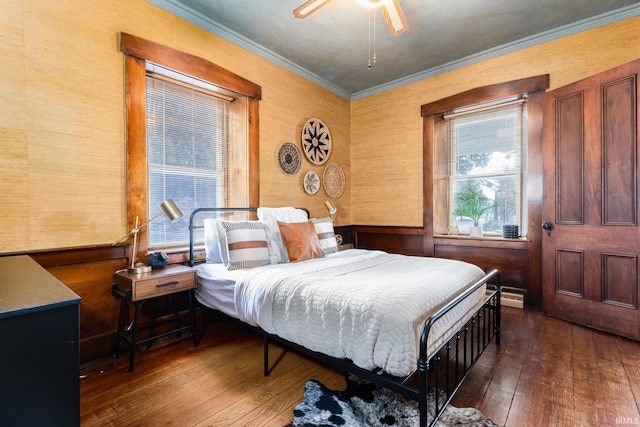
(331, 208)
(172, 211)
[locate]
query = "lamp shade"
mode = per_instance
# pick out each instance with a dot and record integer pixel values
(171, 210)
(330, 207)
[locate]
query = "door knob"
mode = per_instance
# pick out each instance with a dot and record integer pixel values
(548, 225)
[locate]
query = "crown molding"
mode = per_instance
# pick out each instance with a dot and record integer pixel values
(196, 18)
(536, 39)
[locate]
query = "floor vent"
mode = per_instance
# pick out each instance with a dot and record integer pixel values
(511, 299)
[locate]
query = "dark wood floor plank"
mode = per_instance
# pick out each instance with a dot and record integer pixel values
(633, 376)
(519, 343)
(628, 351)
(618, 393)
(496, 402)
(202, 387)
(606, 347)
(155, 375)
(544, 394)
(476, 383)
(589, 399)
(546, 372)
(259, 409)
(243, 401)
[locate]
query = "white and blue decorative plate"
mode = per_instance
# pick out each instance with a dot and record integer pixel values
(311, 182)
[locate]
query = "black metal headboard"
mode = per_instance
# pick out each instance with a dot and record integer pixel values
(196, 222)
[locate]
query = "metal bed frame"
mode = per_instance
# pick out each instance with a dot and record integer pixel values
(442, 372)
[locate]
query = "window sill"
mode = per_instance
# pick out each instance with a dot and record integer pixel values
(484, 241)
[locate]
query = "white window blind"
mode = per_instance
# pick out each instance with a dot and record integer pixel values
(488, 150)
(188, 138)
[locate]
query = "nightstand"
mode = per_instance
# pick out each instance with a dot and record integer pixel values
(137, 288)
(345, 246)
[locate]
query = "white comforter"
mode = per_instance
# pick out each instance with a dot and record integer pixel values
(366, 306)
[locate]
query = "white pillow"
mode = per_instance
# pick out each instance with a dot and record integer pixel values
(211, 241)
(270, 217)
(246, 244)
(222, 243)
(326, 234)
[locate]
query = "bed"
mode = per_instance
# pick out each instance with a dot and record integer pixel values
(410, 324)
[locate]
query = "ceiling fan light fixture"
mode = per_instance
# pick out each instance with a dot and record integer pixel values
(371, 4)
(308, 8)
(394, 17)
(391, 11)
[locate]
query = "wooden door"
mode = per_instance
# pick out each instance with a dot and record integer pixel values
(590, 255)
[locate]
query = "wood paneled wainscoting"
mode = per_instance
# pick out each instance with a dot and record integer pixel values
(509, 256)
(398, 240)
(88, 271)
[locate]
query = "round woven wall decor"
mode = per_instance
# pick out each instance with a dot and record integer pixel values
(333, 180)
(311, 182)
(316, 141)
(289, 158)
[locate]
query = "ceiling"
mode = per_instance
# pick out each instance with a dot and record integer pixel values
(331, 46)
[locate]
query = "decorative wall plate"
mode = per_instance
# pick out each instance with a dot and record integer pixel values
(316, 141)
(311, 182)
(289, 158)
(333, 180)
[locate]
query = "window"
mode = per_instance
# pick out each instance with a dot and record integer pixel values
(188, 139)
(191, 157)
(480, 138)
(487, 145)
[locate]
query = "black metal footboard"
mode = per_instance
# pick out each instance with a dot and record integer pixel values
(439, 375)
(441, 372)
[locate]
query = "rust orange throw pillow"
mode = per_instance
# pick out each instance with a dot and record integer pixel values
(301, 240)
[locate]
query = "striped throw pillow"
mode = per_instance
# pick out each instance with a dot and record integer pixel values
(326, 235)
(245, 244)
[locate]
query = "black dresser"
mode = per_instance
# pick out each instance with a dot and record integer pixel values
(39, 349)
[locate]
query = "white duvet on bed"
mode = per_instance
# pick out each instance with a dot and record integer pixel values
(366, 306)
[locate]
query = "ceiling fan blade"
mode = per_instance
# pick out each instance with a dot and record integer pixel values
(308, 8)
(394, 16)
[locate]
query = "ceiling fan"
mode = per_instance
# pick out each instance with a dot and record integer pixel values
(391, 11)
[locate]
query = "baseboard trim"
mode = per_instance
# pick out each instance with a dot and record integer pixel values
(511, 299)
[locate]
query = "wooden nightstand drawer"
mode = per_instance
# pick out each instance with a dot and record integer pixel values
(134, 289)
(166, 281)
(163, 285)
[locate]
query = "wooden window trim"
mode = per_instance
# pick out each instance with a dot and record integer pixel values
(136, 52)
(484, 94)
(430, 112)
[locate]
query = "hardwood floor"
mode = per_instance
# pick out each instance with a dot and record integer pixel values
(546, 372)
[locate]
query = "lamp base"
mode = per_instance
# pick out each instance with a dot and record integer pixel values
(139, 269)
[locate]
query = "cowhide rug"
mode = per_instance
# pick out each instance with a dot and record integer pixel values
(365, 404)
